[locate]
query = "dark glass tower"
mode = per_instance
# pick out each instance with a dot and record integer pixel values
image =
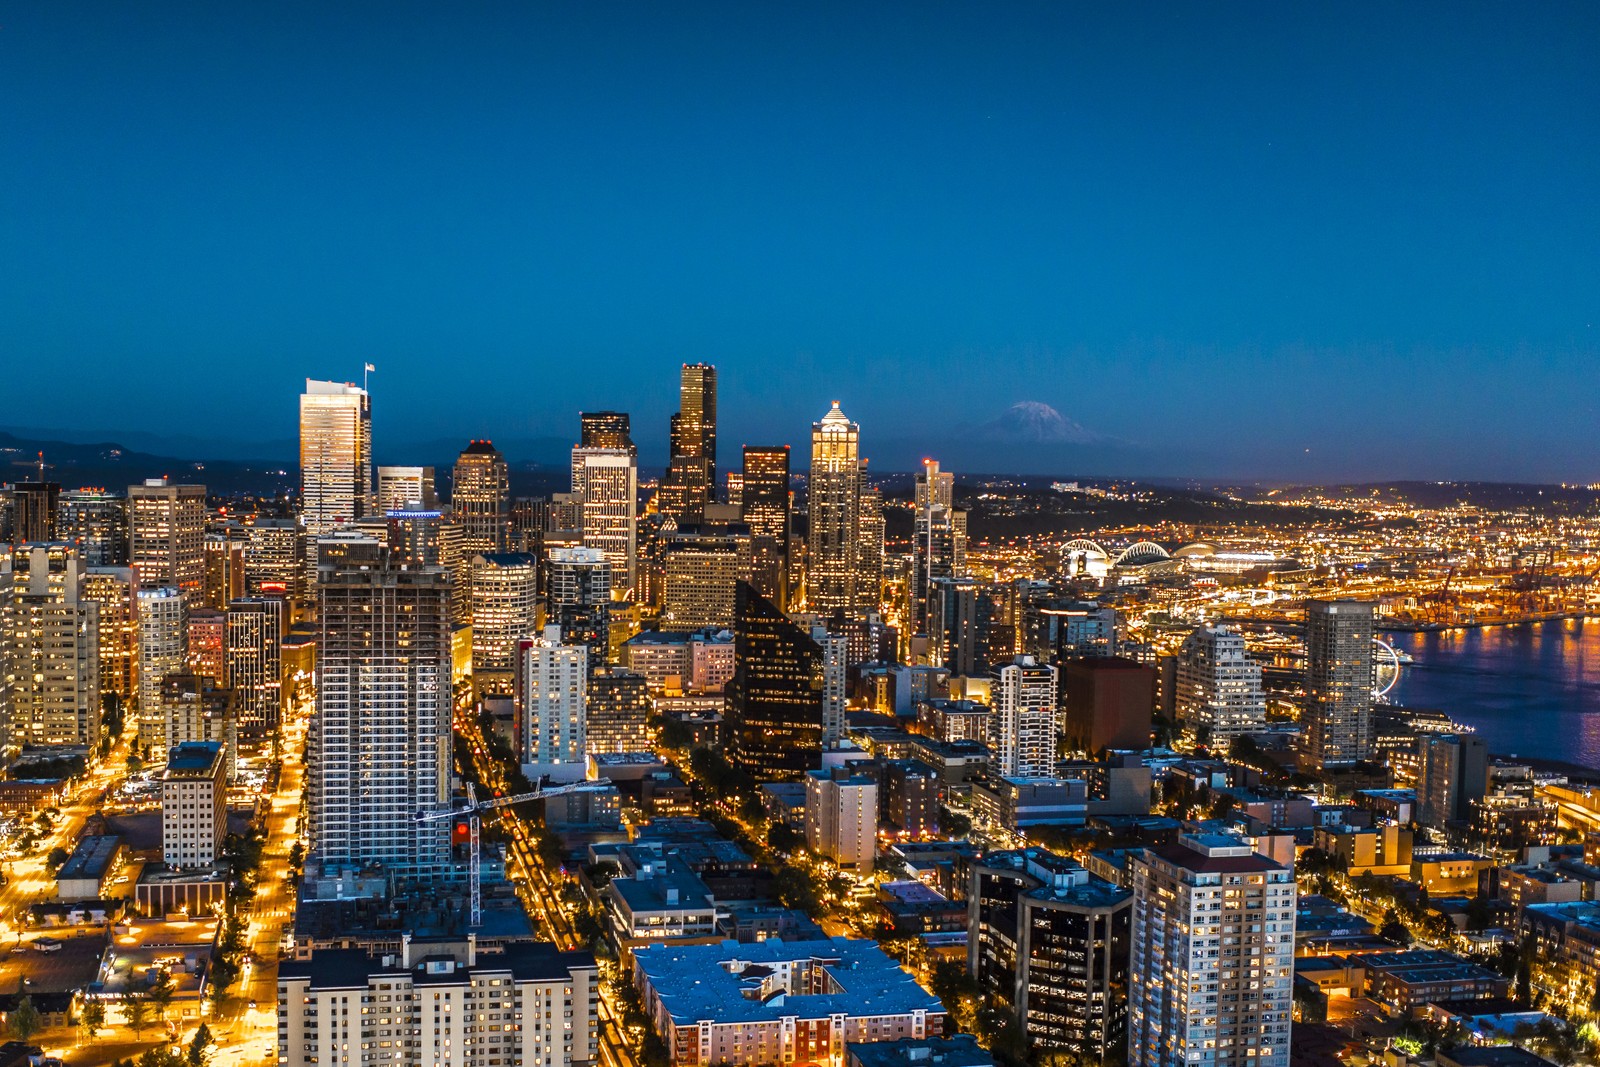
(775, 701)
(766, 512)
(692, 467)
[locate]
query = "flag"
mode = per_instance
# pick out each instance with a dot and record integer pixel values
(370, 367)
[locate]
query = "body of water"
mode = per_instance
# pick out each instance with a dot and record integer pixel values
(1531, 689)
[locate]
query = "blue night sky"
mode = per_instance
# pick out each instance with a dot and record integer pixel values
(1217, 235)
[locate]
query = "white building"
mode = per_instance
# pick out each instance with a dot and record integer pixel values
(505, 608)
(835, 661)
(606, 481)
(1218, 685)
(440, 1005)
(406, 489)
(842, 817)
(194, 804)
(552, 691)
(335, 455)
(49, 648)
(1022, 719)
(163, 650)
(1212, 965)
(167, 536)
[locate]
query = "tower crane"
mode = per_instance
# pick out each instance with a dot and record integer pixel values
(471, 813)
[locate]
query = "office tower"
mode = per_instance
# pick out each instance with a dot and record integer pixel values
(870, 528)
(274, 560)
(733, 488)
(163, 650)
(1212, 965)
(1048, 943)
(224, 557)
(194, 805)
(606, 481)
(255, 662)
(959, 625)
(604, 429)
(378, 751)
(49, 649)
(1058, 630)
(619, 713)
(480, 498)
(842, 817)
(530, 517)
(197, 709)
(1217, 690)
(505, 608)
(833, 501)
(939, 538)
(834, 677)
(775, 704)
(1106, 703)
(208, 645)
(34, 512)
(406, 489)
(97, 522)
(114, 589)
(551, 689)
(438, 990)
(1339, 680)
(700, 575)
(764, 495)
(167, 536)
(335, 455)
(580, 600)
(691, 476)
(1454, 774)
(1022, 718)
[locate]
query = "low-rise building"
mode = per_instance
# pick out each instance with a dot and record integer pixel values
(1445, 873)
(88, 871)
(1406, 982)
(1380, 850)
(661, 901)
(1015, 803)
(959, 1051)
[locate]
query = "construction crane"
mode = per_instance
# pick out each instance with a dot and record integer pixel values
(471, 813)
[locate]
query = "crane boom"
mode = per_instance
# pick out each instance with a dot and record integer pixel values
(475, 805)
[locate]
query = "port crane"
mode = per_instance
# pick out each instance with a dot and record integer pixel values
(472, 811)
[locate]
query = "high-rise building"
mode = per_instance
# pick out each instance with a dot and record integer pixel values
(1022, 718)
(701, 572)
(606, 480)
(163, 650)
(842, 817)
(378, 752)
(114, 589)
(35, 511)
(335, 455)
(764, 500)
(834, 679)
(939, 545)
(1339, 676)
(691, 476)
(959, 625)
(200, 709)
(167, 536)
(505, 609)
(580, 600)
(1048, 943)
(208, 645)
(870, 530)
(97, 522)
(1455, 773)
(406, 489)
(1106, 703)
(551, 689)
(274, 560)
(480, 498)
(255, 662)
(1218, 686)
(833, 502)
(49, 649)
(194, 805)
(604, 429)
(224, 555)
(619, 713)
(1058, 630)
(775, 705)
(1212, 965)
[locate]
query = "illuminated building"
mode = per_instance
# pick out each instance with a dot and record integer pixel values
(505, 608)
(1048, 944)
(604, 429)
(606, 480)
(842, 817)
(691, 474)
(163, 650)
(406, 489)
(208, 644)
(255, 662)
(167, 536)
(701, 573)
(551, 689)
(49, 648)
(1218, 689)
(199, 709)
(1455, 774)
(194, 808)
(833, 502)
(833, 682)
(733, 489)
(1339, 681)
(619, 713)
(869, 550)
(1212, 964)
(580, 600)
(114, 588)
(1058, 630)
(378, 751)
(939, 547)
(35, 508)
(764, 502)
(224, 556)
(1022, 718)
(480, 498)
(335, 455)
(97, 522)
(775, 702)
(274, 560)
(959, 620)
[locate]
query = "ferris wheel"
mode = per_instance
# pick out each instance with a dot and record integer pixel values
(1385, 668)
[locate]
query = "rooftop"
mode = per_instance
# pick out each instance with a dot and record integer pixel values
(91, 858)
(350, 968)
(194, 759)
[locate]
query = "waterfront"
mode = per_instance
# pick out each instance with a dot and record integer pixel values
(1532, 689)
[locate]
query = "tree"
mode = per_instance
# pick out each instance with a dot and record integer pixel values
(200, 1047)
(25, 1020)
(137, 1009)
(161, 1057)
(161, 993)
(56, 858)
(93, 1019)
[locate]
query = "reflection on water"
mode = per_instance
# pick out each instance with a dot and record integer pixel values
(1532, 690)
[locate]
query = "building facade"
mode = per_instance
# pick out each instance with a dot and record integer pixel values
(552, 692)
(1022, 718)
(335, 455)
(49, 648)
(194, 805)
(1218, 690)
(1339, 676)
(480, 498)
(167, 536)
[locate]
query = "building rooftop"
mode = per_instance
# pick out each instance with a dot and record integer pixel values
(671, 887)
(350, 968)
(91, 858)
(194, 759)
(959, 1051)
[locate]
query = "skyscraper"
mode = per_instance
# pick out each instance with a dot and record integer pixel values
(701, 572)
(606, 480)
(870, 527)
(1455, 774)
(35, 511)
(764, 497)
(208, 646)
(775, 703)
(959, 624)
(378, 751)
(505, 609)
(274, 560)
(480, 498)
(1210, 893)
(833, 502)
(939, 547)
(1022, 718)
(255, 662)
(163, 650)
(1339, 680)
(167, 536)
(1218, 688)
(406, 489)
(97, 522)
(49, 648)
(335, 455)
(224, 556)
(580, 600)
(604, 429)
(114, 589)
(551, 689)
(691, 476)
(619, 713)
(842, 817)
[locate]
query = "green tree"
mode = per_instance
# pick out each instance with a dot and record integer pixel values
(56, 858)
(161, 1057)
(137, 1010)
(93, 1019)
(25, 1020)
(161, 993)
(200, 1047)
